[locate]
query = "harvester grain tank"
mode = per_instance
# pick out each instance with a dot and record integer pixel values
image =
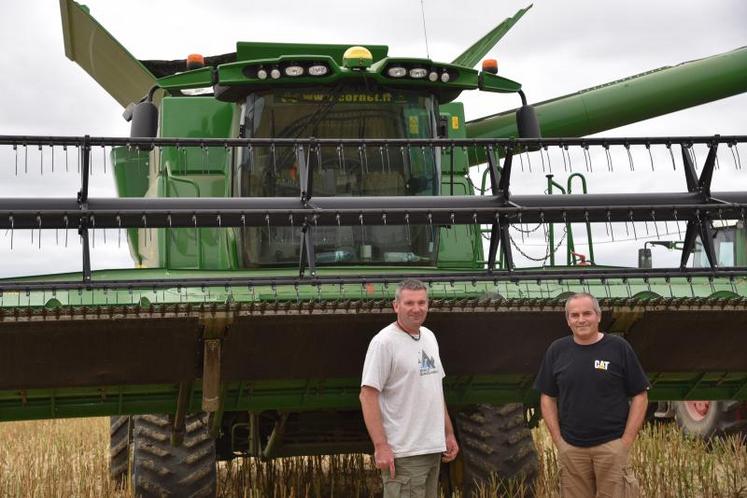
(282, 191)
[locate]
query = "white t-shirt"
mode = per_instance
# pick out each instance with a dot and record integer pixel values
(408, 375)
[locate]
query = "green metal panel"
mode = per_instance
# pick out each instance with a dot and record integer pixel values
(195, 172)
(101, 56)
(263, 50)
(323, 394)
(454, 250)
(131, 169)
(477, 51)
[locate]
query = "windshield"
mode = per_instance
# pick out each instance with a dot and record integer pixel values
(724, 244)
(342, 112)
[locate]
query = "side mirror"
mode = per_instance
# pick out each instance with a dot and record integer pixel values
(144, 120)
(526, 122)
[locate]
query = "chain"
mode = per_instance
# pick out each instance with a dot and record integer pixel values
(547, 254)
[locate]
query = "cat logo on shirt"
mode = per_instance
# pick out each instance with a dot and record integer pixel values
(601, 364)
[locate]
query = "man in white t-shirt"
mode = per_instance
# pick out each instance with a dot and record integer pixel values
(403, 402)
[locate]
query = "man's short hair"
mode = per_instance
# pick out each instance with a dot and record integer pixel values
(411, 285)
(594, 302)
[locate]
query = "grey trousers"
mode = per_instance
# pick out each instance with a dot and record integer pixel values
(414, 477)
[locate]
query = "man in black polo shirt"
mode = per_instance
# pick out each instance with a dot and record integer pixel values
(593, 398)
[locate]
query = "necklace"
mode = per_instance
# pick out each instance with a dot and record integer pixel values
(411, 336)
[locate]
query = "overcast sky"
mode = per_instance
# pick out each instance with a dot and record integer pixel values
(556, 48)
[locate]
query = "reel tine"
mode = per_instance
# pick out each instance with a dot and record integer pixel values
(650, 156)
(25, 159)
(671, 155)
(610, 166)
(197, 230)
(656, 226)
(363, 155)
(64, 148)
(542, 157)
(735, 154)
(274, 156)
(677, 222)
(15, 150)
(693, 155)
(119, 231)
(587, 158)
(630, 157)
(606, 224)
(529, 161)
(51, 152)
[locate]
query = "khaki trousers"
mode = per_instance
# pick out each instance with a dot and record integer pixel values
(414, 477)
(601, 471)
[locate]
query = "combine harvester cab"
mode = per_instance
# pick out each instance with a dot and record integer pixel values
(273, 198)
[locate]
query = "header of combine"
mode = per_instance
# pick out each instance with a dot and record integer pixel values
(276, 189)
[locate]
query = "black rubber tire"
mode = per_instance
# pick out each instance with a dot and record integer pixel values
(119, 448)
(495, 441)
(722, 419)
(160, 469)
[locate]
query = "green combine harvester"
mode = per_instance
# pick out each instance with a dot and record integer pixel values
(273, 197)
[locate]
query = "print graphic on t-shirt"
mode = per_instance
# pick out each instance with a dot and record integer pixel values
(427, 364)
(601, 364)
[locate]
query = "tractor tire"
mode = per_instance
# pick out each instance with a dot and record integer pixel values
(495, 442)
(162, 470)
(119, 448)
(706, 419)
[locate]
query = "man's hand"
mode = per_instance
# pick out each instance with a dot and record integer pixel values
(384, 458)
(452, 448)
(636, 416)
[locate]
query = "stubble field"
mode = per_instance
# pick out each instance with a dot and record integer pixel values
(69, 458)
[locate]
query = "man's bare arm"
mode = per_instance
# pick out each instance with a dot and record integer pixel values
(636, 416)
(383, 455)
(549, 408)
(452, 448)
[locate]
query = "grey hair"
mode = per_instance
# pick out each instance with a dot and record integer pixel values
(411, 285)
(580, 295)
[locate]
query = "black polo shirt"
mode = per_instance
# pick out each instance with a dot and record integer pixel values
(593, 385)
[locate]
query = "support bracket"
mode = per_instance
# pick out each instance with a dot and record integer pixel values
(701, 225)
(215, 328)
